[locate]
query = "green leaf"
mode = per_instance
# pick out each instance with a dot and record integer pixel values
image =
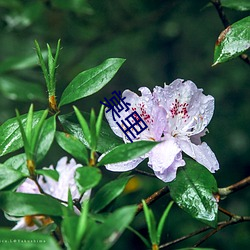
(108, 193)
(19, 63)
(53, 174)
(74, 228)
(87, 177)
(107, 139)
(73, 146)
(90, 81)
(16, 240)
(18, 162)
(10, 136)
(233, 41)
(8, 176)
(127, 152)
(46, 138)
(84, 125)
(151, 223)
(69, 230)
(241, 5)
(162, 221)
(99, 122)
(105, 235)
(193, 191)
(20, 204)
(19, 90)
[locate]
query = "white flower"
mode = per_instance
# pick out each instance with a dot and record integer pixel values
(177, 115)
(58, 189)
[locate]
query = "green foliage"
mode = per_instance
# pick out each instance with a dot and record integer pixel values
(90, 81)
(9, 176)
(87, 178)
(107, 139)
(50, 70)
(155, 231)
(108, 193)
(30, 204)
(233, 41)
(110, 230)
(73, 146)
(241, 5)
(127, 152)
(10, 136)
(193, 190)
(17, 240)
(19, 90)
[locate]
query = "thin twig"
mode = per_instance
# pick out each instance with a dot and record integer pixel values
(144, 173)
(224, 211)
(152, 198)
(223, 192)
(235, 220)
(226, 23)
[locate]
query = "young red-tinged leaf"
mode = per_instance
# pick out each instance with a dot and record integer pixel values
(233, 41)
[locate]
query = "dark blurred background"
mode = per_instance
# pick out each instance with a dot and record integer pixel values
(161, 41)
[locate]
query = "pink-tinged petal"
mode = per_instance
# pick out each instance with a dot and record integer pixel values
(59, 189)
(124, 166)
(165, 158)
(189, 110)
(201, 153)
(29, 187)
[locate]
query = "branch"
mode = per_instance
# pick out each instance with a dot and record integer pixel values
(152, 198)
(235, 220)
(144, 173)
(226, 23)
(223, 192)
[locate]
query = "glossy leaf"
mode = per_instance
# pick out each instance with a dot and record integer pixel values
(108, 193)
(10, 136)
(105, 235)
(53, 174)
(69, 230)
(127, 152)
(73, 146)
(162, 221)
(18, 162)
(90, 81)
(16, 240)
(233, 41)
(8, 176)
(19, 90)
(151, 223)
(20, 204)
(107, 138)
(241, 5)
(193, 191)
(87, 177)
(46, 137)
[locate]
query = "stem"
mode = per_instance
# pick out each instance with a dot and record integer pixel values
(226, 23)
(152, 198)
(235, 220)
(144, 173)
(224, 192)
